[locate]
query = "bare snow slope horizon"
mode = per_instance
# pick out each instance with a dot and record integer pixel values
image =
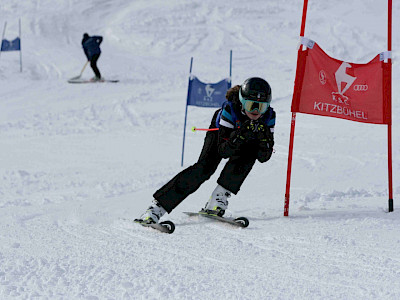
(78, 160)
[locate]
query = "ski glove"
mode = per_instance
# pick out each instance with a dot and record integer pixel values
(261, 131)
(265, 147)
(251, 130)
(242, 135)
(266, 143)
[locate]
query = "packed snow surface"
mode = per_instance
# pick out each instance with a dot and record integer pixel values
(78, 162)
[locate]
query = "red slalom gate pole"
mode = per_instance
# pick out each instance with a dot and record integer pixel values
(390, 108)
(289, 167)
(293, 123)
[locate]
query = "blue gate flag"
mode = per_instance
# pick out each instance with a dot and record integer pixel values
(207, 94)
(14, 45)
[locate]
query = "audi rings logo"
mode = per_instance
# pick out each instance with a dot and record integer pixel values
(360, 87)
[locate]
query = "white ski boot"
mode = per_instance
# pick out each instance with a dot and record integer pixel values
(152, 214)
(218, 202)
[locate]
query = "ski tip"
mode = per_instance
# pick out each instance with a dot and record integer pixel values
(242, 221)
(170, 226)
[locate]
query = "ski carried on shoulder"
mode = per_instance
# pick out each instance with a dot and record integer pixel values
(240, 221)
(165, 226)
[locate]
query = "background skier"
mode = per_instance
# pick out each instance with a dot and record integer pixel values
(246, 125)
(91, 47)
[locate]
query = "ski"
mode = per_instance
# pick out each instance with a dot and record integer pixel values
(165, 226)
(91, 81)
(240, 221)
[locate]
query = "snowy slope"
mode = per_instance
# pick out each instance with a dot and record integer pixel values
(75, 160)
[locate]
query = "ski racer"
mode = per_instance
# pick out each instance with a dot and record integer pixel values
(91, 47)
(246, 127)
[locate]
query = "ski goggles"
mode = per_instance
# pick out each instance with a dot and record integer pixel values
(251, 105)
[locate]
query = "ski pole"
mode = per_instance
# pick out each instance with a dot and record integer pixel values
(83, 68)
(204, 129)
(79, 76)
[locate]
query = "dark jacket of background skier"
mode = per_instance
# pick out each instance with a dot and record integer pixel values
(91, 45)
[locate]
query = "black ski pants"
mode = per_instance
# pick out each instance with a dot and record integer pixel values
(93, 64)
(189, 180)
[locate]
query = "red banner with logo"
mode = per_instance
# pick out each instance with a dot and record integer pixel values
(329, 87)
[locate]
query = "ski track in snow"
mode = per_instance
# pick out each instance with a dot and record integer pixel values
(76, 160)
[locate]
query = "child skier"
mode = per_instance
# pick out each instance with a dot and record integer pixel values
(246, 126)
